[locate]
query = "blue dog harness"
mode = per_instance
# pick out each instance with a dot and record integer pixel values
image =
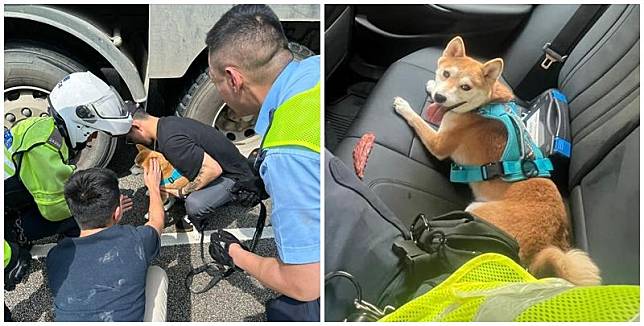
(172, 178)
(522, 158)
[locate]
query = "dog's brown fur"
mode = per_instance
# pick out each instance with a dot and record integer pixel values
(142, 160)
(531, 210)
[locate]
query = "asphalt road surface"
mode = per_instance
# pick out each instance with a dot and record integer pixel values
(236, 298)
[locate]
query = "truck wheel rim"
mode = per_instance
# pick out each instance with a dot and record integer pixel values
(238, 130)
(22, 102)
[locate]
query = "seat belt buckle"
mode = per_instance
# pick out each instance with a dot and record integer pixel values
(551, 56)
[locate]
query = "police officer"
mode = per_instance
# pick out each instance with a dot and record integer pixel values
(38, 162)
(255, 73)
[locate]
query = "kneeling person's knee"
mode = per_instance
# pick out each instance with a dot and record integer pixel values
(194, 207)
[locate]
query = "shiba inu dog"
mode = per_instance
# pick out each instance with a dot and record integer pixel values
(531, 210)
(168, 174)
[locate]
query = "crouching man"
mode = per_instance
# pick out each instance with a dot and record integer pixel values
(105, 274)
(200, 153)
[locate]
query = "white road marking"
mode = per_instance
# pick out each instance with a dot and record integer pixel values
(176, 239)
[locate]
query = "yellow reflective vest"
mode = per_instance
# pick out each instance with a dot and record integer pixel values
(36, 151)
(296, 122)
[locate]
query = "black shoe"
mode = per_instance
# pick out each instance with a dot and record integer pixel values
(168, 221)
(183, 225)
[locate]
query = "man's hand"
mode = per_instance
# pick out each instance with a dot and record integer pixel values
(152, 176)
(220, 242)
(298, 281)
(126, 203)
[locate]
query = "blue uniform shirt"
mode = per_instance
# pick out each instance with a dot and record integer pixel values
(291, 174)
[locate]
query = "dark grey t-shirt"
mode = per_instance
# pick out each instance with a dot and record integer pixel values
(101, 277)
(183, 142)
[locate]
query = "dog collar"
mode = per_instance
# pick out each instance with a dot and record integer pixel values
(172, 178)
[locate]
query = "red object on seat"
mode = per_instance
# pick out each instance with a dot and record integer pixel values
(361, 153)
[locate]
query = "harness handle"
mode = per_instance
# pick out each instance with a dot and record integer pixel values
(217, 271)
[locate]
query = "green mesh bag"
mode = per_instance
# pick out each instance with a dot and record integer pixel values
(492, 287)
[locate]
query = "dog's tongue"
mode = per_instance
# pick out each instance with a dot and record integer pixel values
(435, 113)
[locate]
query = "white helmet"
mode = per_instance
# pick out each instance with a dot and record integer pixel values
(87, 104)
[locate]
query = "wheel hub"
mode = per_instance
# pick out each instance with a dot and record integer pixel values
(23, 102)
(239, 130)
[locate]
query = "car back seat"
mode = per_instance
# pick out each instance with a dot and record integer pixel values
(601, 79)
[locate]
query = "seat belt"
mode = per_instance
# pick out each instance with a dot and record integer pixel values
(545, 72)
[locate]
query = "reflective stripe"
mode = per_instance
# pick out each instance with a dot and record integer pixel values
(507, 302)
(9, 166)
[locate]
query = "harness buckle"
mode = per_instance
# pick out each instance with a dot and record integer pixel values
(492, 170)
(529, 168)
(551, 56)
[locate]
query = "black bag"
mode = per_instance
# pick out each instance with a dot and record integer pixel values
(440, 245)
(372, 260)
(359, 232)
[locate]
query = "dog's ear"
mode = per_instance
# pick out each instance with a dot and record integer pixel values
(455, 48)
(141, 155)
(501, 93)
(138, 160)
(493, 69)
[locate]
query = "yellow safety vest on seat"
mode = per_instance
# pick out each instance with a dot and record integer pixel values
(40, 156)
(492, 287)
(296, 122)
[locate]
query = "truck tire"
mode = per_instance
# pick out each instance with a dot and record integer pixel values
(202, 102)
(31, 70)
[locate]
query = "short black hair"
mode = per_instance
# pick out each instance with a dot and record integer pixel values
(140, 114)
(250, 34)
(92, 196)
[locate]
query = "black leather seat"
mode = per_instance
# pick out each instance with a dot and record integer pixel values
(600, 78)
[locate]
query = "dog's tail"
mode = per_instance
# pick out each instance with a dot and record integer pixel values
(574, 266)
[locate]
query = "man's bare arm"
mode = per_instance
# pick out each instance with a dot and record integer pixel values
(300, 282)
(209, 171)
(152, 178)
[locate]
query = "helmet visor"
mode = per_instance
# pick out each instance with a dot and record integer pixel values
(110, 106)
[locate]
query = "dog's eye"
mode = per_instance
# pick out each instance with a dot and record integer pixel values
(445, 73)
(466, 87)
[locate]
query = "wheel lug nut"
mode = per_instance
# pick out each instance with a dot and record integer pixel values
(26, 112)
(10, 117)
(44, 114)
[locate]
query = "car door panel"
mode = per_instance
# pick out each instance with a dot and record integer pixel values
(385, 33)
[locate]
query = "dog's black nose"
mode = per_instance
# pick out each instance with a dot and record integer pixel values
(438, 98)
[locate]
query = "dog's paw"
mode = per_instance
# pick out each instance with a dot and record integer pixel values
(402, 107)
(429, 87)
